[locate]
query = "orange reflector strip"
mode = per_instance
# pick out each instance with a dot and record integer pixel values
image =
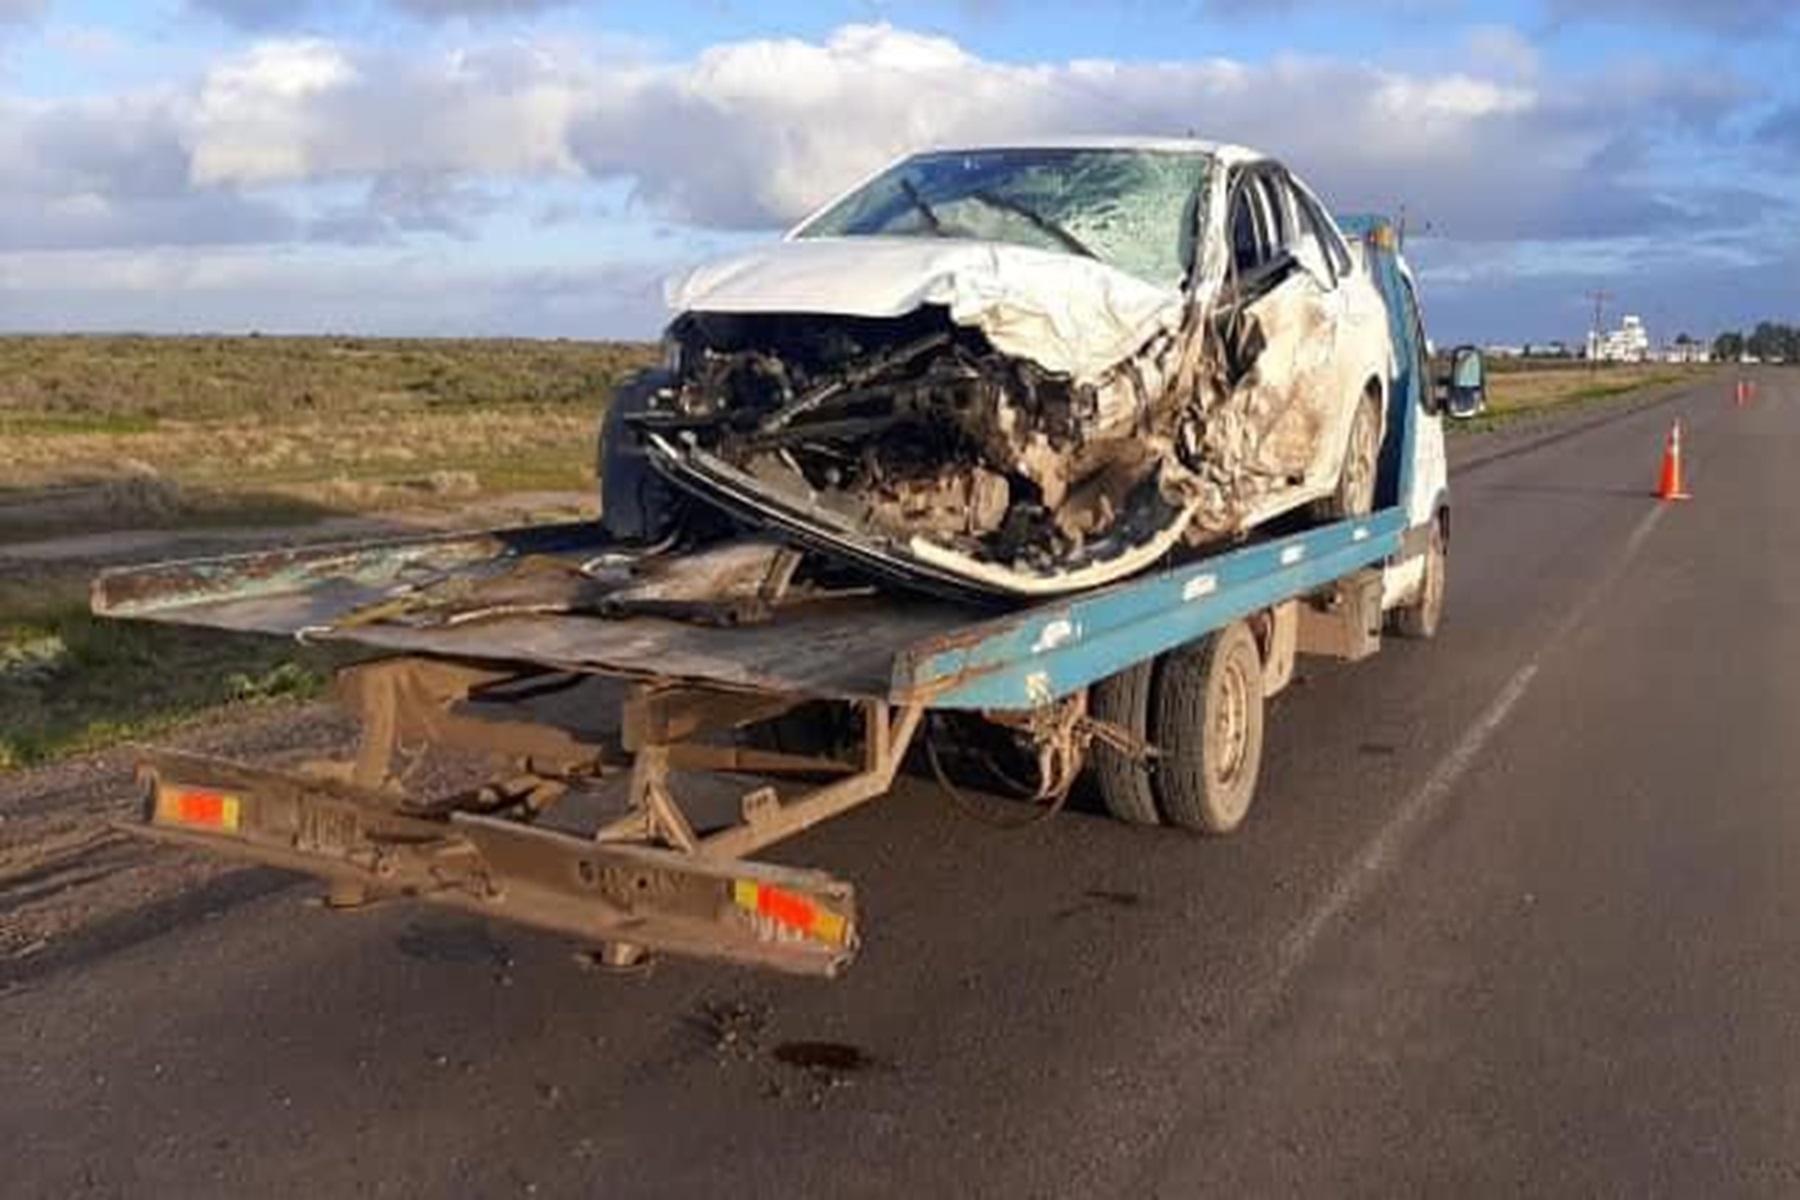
(194, 806)
(791, 910)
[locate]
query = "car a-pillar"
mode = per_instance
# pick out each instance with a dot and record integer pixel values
(1200, 710)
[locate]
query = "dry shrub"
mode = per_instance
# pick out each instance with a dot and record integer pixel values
(454, 485)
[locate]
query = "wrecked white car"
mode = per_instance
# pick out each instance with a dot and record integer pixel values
(1029, 369)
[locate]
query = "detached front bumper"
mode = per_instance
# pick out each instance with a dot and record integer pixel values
(722, 486)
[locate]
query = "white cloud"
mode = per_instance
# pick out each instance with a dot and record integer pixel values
(754, 133)
(297, 141)
(302, 110)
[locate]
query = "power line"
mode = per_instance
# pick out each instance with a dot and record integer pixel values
(1600, 299)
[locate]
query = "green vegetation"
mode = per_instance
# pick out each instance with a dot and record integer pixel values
(1531, 391)
(105, 432)
(283, 378)
(1770, 341)
(70, 682)
(48, 425)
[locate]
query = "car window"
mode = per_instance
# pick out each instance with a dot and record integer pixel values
(1415, 322)
(1276, 224)
(1249, 250)
(1314, 239)
(1130, 209)
(1312, 217)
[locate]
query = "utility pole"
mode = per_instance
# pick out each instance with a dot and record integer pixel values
(1600, 299)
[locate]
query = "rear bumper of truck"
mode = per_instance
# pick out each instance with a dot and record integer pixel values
(368, 848)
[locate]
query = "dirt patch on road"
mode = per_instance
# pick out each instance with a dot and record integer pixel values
(64, 868)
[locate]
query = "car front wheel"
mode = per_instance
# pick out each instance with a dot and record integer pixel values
(1355, 494)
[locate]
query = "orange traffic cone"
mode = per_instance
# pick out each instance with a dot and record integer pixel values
(1743, 393)
(1669, 487)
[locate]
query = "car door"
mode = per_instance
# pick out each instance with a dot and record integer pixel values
(1351, 318)
(1290, 315)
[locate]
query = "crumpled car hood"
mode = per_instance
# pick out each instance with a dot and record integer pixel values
(1066, 313)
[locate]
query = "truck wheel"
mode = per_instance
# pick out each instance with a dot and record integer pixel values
(1421, 618)
(1355, 495)
(1123, 780)
(1208, 727)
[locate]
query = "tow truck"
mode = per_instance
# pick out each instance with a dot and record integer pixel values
(807, 705)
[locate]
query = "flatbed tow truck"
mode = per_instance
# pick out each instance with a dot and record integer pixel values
(1156, 685)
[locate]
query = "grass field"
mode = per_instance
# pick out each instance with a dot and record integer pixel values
(114, 432)
(1521, 390)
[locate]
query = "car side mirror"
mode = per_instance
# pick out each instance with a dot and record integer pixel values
(1462, 394)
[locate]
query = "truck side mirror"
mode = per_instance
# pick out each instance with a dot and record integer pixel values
(1462, 393)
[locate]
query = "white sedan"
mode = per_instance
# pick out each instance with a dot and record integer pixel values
(1024, 369)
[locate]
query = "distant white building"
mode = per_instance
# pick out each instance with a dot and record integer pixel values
(1629, 343)
(1689, 352)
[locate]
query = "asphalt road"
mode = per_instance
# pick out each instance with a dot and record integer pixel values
(1519, 911)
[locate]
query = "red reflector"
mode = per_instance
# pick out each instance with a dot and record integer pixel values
(202, 808)
(796, 912)
(197, 807)
(790, 910)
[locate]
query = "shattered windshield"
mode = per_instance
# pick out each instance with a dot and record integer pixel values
(1131, 209)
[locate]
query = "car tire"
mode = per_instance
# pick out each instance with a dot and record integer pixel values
(1124, 781)
(637, 504)
(1355, 492)
(1420, 619)
(1208, 729)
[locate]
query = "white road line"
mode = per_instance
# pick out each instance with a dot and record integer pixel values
(1366, 871)
(1383, 850)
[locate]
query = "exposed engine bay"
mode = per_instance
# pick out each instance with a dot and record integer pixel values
(918, 429)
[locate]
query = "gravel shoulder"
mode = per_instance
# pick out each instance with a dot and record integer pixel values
(65, 869)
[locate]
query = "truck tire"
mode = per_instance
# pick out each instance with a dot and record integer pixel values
(1355, 494)
(1420, 619)
(1124, 782)
(636, 504)
(1208, 728)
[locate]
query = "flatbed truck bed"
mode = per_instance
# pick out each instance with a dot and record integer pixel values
(1157, 684)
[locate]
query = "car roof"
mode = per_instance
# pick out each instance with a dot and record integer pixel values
(1223, 151)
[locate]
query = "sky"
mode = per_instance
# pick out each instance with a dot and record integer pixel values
(539, 168)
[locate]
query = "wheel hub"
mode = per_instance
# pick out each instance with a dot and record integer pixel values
(1231, 724)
